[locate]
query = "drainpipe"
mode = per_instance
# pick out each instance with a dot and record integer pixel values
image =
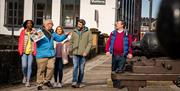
(150, 14)
(12, 45)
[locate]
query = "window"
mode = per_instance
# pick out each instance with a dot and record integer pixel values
(42, 10)
(144, 24)
(70, 13)
(14, 10)
(154, 25)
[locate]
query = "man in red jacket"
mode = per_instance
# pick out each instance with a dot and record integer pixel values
(119, 45)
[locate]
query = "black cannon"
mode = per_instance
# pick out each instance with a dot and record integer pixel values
(149, 46)
(168, 27)
(168, 33)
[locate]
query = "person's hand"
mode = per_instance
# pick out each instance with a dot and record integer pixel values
(129, 56)
(84, 54)
(62, 43)
(108, 54)
(69, 33)
(33, 31)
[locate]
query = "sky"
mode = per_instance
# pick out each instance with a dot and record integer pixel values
(145, 8)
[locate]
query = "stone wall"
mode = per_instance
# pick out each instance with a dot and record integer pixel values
(10, 67)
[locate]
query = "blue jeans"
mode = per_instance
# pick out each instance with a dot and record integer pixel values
(58, 69)
(118, 63)
(27, 65)
(78, 65)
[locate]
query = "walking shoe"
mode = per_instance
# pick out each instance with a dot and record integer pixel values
(24, 80)
(39, 88)
(121, 87)
(59, 85)
(74, 85)
(55, 84)
(27, 84)
(48, 84)
(81, 85)
(119, 71)
(117, 84)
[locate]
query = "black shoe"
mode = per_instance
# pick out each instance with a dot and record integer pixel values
(48, 84)
(75, 86)
(39, 88)
(121, 87)
(117, 84)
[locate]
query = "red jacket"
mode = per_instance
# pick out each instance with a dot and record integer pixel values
(21, 43)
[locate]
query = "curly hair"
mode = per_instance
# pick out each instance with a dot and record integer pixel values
(25, 23)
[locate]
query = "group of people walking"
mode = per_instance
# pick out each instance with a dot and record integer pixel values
(50, 54)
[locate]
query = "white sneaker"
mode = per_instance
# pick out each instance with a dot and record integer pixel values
(24, 80)
(74, 85)
(81, 85)
(27, 84)
(59, 85)
(55, 84)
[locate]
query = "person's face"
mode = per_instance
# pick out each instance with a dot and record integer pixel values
(48, 25)
(59, 30)
(80, 25)
(119, 25)
(29, 25)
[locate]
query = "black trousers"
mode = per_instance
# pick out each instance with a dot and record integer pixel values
(58, 69)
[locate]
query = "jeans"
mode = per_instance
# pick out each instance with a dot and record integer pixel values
(58, 69)
(27, 65)
(78, 65)
(118, 63)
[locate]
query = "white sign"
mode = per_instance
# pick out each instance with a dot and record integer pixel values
(99, 2)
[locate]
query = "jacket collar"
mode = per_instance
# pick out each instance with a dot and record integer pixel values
(83, 30)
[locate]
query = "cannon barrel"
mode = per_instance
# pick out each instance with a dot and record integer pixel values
(167, 41)
(149, 46)
(168, 27)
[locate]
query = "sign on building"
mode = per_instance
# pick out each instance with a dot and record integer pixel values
(98, 2)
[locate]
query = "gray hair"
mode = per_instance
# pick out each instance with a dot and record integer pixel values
(47, 21)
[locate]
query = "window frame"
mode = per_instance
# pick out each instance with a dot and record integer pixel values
(16, 12)
(45, 11)
(70, 15)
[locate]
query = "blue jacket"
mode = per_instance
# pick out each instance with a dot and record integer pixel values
(45, 46)
(126, 46)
